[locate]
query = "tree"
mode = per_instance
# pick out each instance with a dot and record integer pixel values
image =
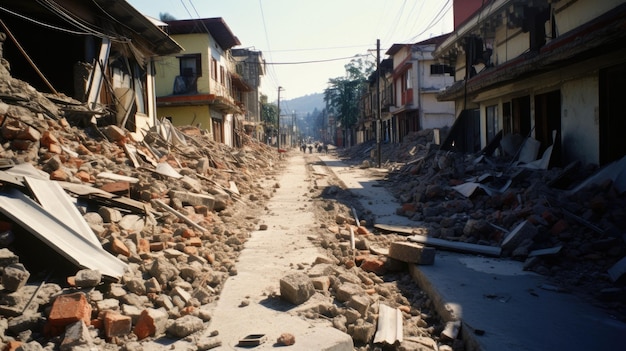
(165, 16)
(269, 116)
(343, 95)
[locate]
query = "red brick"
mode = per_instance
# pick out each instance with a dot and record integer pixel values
(143, 245)
(12, 345)
(70, 308)
(559, 227)
(151, 322)
(191, 250)
(118, 247)
(195, 241)
(116, 187)
(83, 176)
(116, 324)
(362, 230)
(375, 265)
(59, 175)
(48, 139)
(157, 246)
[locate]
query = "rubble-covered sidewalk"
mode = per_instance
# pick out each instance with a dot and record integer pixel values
(567, 223)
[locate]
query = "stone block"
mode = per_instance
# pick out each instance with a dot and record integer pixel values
(76, 337)
(87, 278)
(14, 277)
(412, 253)
(116, 324)
(373, 264)
(296, 288)
(321, 283)
(151, 322)
(193, 198)
(67, 309)
(346, 290)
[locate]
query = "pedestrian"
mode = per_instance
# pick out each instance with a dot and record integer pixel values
(310, 149)
(325, 148)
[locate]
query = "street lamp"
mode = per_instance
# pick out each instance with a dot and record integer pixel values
(278, 120)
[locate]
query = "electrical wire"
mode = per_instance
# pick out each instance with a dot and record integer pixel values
(43, 24)
(272, 74)
(438, 17)
(314, 61)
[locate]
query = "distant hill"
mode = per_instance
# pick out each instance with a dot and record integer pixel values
(304, 104)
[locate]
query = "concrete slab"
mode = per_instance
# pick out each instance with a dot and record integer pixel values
(516, 310)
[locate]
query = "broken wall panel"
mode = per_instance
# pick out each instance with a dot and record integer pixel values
(58, 235)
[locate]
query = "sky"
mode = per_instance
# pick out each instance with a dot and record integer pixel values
(307, 42)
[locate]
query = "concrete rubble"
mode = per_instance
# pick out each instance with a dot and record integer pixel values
(567, 223)
(172, 213)
(165, 209)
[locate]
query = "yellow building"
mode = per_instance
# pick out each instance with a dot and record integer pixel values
(200, 86)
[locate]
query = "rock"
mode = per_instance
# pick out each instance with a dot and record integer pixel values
(87, 278)
(14, 276)
(76, 337)
(185, 326)
(296, 288)
(286, 339)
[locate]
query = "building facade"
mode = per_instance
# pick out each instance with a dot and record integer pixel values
(109, 66)
(250, 65)
(541, 69)
(417, 79)
(201, 86)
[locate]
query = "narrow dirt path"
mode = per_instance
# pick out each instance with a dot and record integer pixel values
(249, 302)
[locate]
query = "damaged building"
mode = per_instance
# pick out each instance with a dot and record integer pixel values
(100, 53)
(550, 71)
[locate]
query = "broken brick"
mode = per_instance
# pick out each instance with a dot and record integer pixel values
(67, 309)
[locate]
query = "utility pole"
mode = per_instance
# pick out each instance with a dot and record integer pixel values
(378, 108)
(278, 122)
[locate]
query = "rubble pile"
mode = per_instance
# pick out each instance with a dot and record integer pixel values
(561, 222)
(172, 213)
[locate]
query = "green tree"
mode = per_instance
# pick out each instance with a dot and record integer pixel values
(269, 116)
(343, 94)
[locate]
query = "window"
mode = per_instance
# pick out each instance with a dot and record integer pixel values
(214, 68)
(491, 113)
(441, 69)
(190, 65)
(222, 75)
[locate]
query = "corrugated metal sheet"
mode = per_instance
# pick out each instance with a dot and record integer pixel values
(389, 327)
(58, 235)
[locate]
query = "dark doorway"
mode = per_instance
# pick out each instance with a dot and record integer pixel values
(612, 114)
(547, 120)
(520, 113)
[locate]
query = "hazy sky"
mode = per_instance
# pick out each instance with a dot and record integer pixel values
(293, 34)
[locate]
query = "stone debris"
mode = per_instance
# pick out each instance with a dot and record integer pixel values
(575, 215)
(168, 211)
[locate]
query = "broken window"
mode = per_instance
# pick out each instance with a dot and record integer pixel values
(439, 69)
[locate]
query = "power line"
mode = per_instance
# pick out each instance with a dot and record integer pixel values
(326, 48)
(313, 61)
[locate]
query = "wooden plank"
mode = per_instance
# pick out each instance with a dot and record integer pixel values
(457, 246)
